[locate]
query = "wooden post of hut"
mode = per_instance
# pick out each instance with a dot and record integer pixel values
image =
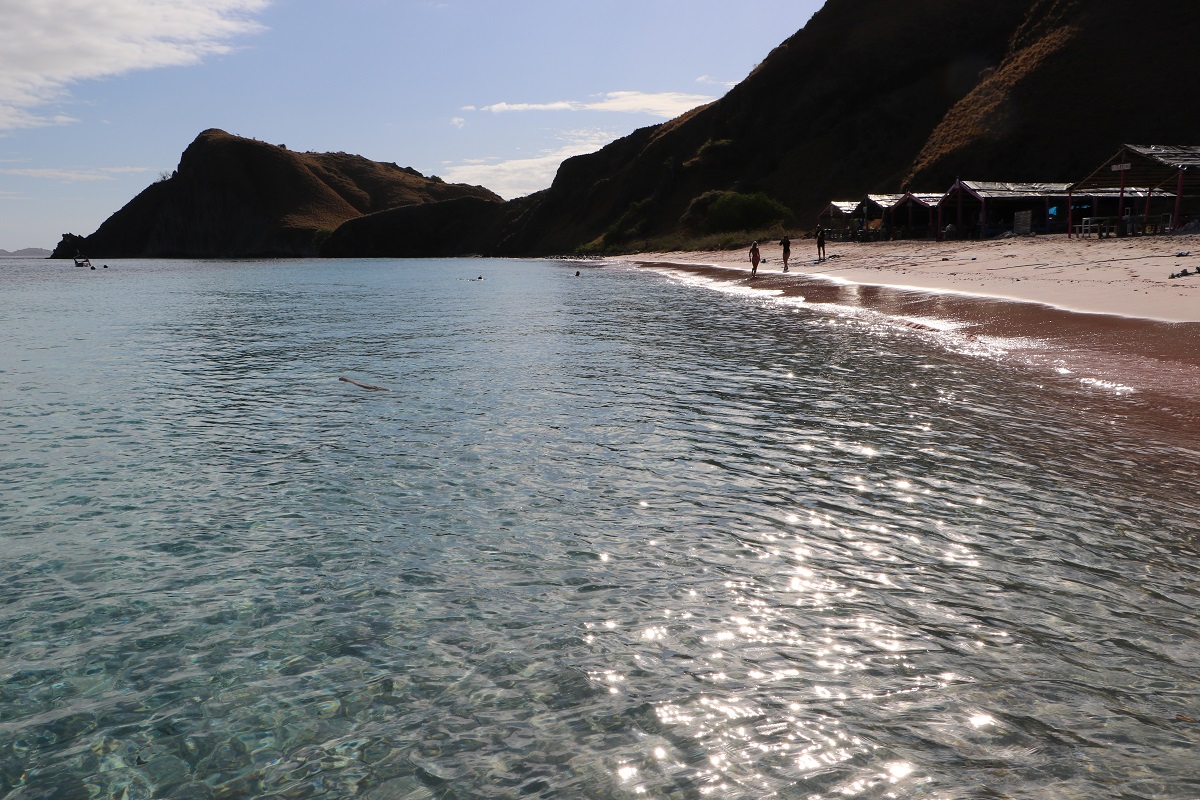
(1121, 196)
(960, 208)
(1175, 223)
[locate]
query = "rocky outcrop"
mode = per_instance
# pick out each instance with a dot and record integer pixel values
(238, 197)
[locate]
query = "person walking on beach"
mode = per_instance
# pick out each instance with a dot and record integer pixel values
(786, 244)
(754, 259)
(821, 244)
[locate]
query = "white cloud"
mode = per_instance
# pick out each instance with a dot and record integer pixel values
(72, 175)
(517, 177)
(50, 44)
(659, 104)
(561, 105)
(458, 122)
(711, 81)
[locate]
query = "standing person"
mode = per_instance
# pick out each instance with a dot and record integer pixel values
(786, 244)
(754, 259)
(821, 244)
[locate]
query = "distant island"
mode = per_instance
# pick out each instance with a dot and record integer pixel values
(28, 252)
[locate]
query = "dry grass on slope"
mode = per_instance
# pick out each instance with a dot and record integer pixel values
(984, 114)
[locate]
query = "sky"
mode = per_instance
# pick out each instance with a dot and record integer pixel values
(99, 98)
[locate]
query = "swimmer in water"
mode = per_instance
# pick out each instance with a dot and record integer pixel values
(364, 385)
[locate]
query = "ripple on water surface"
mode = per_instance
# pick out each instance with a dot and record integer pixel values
(603, 537)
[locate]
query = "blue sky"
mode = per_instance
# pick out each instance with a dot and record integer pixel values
(98, 98)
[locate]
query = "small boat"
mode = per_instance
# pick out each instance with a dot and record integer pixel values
(83, 262)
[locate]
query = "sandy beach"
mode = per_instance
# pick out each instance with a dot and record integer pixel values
(1126, 277)
(1103, 312)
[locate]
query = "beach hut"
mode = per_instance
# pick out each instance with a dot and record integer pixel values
(875, 215)
(914, 215)
(980, 209)
(1145, 178)
(837, 218)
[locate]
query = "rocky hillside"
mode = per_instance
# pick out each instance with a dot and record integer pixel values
(839, 109)
(874, 96)
(233, 196)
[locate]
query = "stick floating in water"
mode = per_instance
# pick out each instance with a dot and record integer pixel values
(364, 385)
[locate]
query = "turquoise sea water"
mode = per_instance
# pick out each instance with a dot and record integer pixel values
(612, 536)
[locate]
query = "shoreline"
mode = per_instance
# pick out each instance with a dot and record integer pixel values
(1122, 277)
(1102, 313)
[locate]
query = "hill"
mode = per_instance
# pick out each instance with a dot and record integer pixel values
(840, 108)
(27, 252)
(872, 96)
(232, 197)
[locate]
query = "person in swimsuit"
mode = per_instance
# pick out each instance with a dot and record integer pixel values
(754, 259)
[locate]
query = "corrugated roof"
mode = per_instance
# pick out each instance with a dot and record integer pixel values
(1130, 191)
(994, 190)
(1184, 157)
(843, 206)
(1150, 165)
(927, 199)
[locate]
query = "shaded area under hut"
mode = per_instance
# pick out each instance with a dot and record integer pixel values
(914, 215)
(983, 209)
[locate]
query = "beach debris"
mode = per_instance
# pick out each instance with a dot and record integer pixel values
(1183, 254)
(370, 386)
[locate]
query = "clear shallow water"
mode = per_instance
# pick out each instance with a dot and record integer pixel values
(610, 536)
